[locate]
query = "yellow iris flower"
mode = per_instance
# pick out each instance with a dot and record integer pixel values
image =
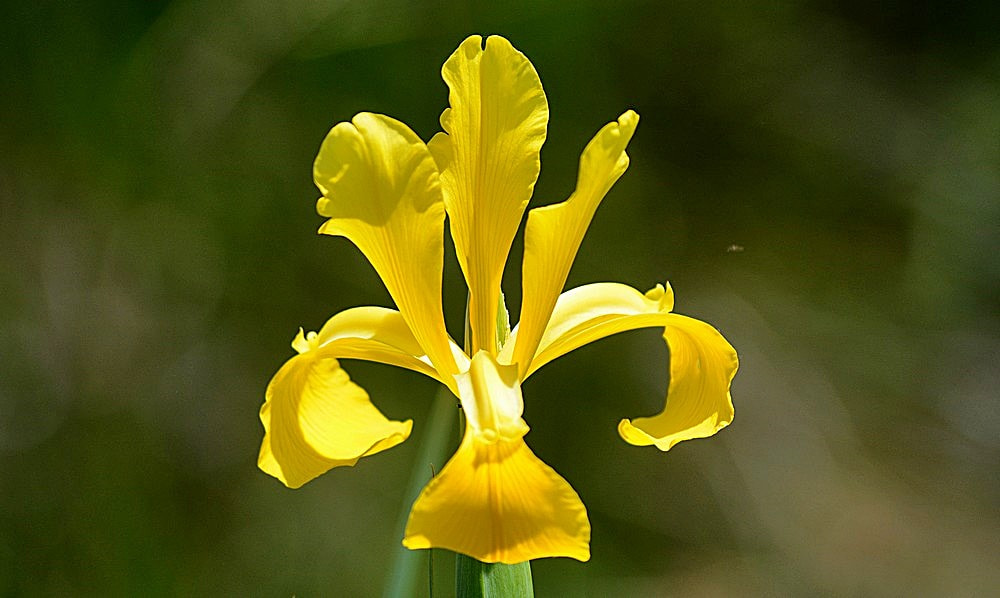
(389, 193)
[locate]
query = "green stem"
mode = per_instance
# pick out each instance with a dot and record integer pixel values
(474, 579)
(433, 445)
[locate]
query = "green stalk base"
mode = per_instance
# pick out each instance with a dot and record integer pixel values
(474, 579)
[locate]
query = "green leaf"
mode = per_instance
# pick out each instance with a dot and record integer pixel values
(474, 579)
(432, 453)
(503, 323)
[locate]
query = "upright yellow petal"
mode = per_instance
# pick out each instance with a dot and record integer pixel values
(554, 232)
(314, 417)
(702, 362)
(699, 404)
(495, 500)
(381, 190)
(488, 156)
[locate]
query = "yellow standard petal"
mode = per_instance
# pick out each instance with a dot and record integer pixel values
(554, 233)
(699, 404)
(381, 190)
(495, 500)
(488, 156)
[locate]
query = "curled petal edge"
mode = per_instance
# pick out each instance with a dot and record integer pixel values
(315, 418)
(702, 362)
(699, 402)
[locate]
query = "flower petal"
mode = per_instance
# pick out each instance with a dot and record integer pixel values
(591, 312)
(316, 419)
(702, 362)
(488, 156)
(499, 503)
(381, 335)
(554, 232)
(495, 500)
(699, 404)
(380, 190)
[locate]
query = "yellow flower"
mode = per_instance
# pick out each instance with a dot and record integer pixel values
(389, 192)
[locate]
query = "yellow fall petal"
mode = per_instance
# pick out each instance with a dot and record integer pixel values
(499, 503)
(316, 419)
(381, 190)
(591, 312)
(699, 404)
(554, 233)
(488, 156)
(495, 500)
(381, 335)
(702, 362)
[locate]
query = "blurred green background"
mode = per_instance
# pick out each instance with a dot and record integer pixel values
(158, 252)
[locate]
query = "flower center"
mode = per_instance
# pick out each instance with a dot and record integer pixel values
(491, 398)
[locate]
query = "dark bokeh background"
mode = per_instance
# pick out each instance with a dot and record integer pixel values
(158, 252)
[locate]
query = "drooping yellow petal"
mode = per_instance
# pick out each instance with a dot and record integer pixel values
(381, 335)
(699, 404)
(702, 362)
(591, 312)
(499, 503)
(381, 190)
(495, 500)
(554, 232)
(316, 419)
(488, 156)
